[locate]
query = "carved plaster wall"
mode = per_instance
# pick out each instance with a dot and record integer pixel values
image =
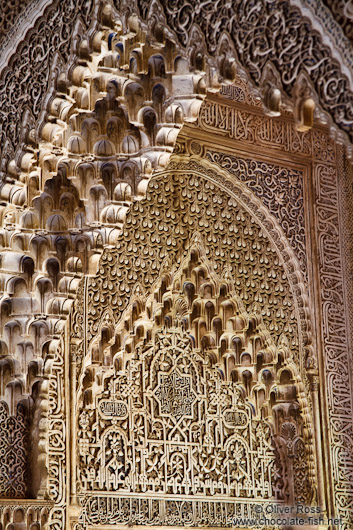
(310, 58)
(207, 304)
(232, 254)
(97, 150)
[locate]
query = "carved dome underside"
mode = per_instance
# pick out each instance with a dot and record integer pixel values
(303, 56)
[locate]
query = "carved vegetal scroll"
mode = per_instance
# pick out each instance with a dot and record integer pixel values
(332, 186)
(115, 116)
(13, 452)
(280, 189)
(237, 21)
(212, 35)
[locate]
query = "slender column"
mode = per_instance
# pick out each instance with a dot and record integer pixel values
(314, 389)
(73, 441)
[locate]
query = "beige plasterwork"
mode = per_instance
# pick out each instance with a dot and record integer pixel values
(65, 216)
(130, 325)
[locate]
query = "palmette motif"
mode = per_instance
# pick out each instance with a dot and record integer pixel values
(301, 492)
(157, 234)
(162, 389)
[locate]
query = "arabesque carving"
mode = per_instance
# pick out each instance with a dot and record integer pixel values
(180, 29)
(238, 22)
(67, 201)
(8, 15)
(280, 189)
(200, 206)
(338, 364)
(198, 401)
(343, 13)
(74, 165)
(14, 452)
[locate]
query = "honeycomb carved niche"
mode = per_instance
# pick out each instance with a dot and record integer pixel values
(189, 396)
(67, 198)
(195, 345)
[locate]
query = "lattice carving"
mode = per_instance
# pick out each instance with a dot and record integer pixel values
(13, 452)
(198, 403)
(322, 147)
